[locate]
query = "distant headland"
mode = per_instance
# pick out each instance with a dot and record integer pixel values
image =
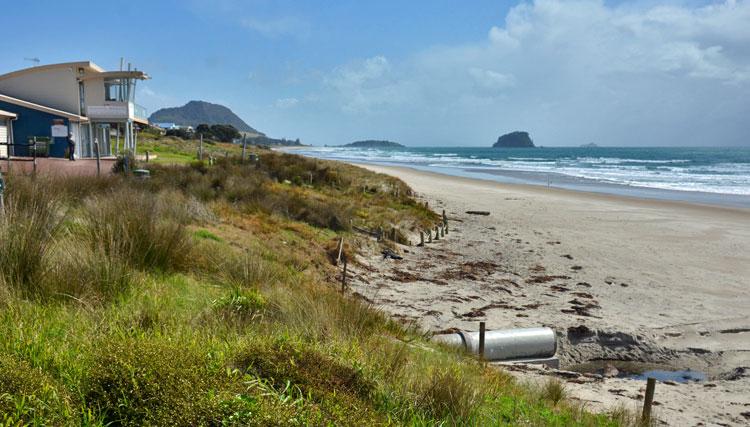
(516, 139)
(371, 143)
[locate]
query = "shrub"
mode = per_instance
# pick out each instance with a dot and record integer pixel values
(156, 382)
(240, 305)
(316, 374)
(28, 396)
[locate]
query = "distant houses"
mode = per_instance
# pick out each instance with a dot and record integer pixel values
(81, 98)
(173, 126)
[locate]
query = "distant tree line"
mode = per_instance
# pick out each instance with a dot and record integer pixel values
(221, 133)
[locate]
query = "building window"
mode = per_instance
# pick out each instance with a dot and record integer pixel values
(116, 90)
(82, 97)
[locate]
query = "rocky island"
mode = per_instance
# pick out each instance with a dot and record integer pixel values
(516, 139)
(370, 143)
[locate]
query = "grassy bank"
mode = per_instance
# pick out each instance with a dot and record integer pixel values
(206, 295)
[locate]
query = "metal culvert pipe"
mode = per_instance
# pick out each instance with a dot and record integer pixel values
(509, 344)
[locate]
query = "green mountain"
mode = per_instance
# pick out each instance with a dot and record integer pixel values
(195, 113)
(370, 143)
(514, 140)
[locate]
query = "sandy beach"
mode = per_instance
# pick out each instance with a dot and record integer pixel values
(657, 282)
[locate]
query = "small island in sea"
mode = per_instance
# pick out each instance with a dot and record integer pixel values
(371, 143)
(516, 139)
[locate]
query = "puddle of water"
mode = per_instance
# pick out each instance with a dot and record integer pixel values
(638, 371)
(685, 376)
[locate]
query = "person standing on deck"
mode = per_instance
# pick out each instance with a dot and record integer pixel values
(71, 147)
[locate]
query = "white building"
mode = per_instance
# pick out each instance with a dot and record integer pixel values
(90, 101)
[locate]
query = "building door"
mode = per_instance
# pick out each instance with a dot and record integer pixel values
(102, 135)
(4, 139)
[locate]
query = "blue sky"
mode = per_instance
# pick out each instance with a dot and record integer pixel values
(422, 72)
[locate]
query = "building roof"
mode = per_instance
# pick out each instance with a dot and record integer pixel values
(135, 74)
(8, 114)
(50, 110)
(86, 65)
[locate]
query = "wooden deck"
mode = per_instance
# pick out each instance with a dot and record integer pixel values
(57, 166)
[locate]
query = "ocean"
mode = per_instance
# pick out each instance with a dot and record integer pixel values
(701, 175)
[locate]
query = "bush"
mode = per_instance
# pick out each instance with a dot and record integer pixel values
(314, 373)
(125, 163)
(156, 382)
(240, 306)
(27, 396)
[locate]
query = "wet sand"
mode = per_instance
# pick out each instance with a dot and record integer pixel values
(617, 278)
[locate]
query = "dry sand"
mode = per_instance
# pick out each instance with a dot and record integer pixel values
(617, 278)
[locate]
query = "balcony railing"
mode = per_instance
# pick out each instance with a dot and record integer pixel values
(140, 112)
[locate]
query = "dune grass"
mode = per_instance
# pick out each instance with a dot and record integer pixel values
(206, 296)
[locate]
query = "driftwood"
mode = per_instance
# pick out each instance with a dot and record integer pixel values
(485, 213)
(390, 254)
(365, 231)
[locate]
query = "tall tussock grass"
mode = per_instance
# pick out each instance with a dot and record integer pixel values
(28, 226)
(131, 226)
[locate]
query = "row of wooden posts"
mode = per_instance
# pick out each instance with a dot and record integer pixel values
(440, 231)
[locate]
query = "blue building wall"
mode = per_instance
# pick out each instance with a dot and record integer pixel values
(31, 123)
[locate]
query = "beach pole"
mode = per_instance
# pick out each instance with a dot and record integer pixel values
(482, 328)
(421, 238)
(244, 148)
(341, 250)
(648, 401)
(98, 157)
(343, 278)
(2, 190)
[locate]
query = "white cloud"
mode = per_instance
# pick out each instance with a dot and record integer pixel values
(285, 26)
(570, 71)
(286, 102)
(492, 80)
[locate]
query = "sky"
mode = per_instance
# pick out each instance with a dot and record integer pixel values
(422, 72)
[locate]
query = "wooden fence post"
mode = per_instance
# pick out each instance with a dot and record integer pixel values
(200, 148)
(648, 401)
(481, 339)
(429, 236)
(437, 233)
(244, 148)
(421, 238)
(98, 158)
(148, 156)
(341, 250)
(343, 278)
